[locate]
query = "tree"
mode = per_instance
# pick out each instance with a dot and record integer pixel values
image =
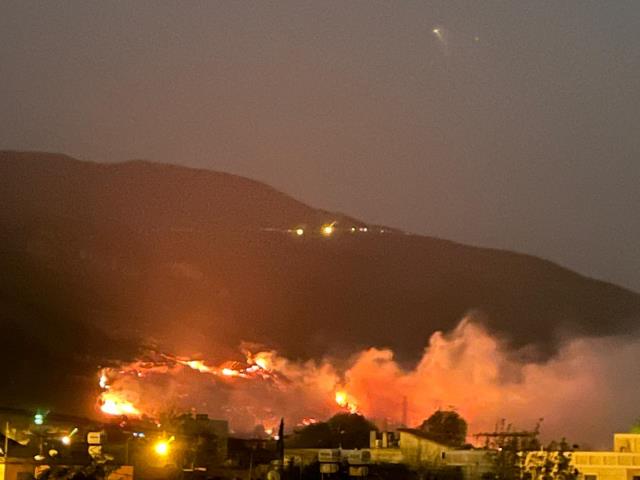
(344, 430)
(351, 429)
(316, 435)
(446, 427)
(552, 463)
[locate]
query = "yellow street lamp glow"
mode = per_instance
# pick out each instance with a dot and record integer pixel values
(327, 230)
(66, 440)
(299, 232)
(162, 448)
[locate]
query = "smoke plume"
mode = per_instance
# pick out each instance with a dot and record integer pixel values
(588, 390)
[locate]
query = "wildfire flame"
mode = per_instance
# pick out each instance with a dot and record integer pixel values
(103, 381)
(198, 365)
(112, 404)
(114, 401)
(344, 400)
(262, 373)
(306, 421)
(467, 367)
(263, 360)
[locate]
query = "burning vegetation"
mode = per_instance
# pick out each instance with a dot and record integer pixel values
(160, 381)
(467, 369)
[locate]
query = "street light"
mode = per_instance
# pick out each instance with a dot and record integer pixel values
(162, 448)
(66, 440)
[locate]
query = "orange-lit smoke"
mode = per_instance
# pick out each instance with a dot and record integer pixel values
(586, 391)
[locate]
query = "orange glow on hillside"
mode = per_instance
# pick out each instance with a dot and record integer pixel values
(345, 401)
(198, 365)
(104, 381)
(111, 404)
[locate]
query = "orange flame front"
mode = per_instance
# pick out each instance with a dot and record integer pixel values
(115, 401)
(112, 404)
(344, 400)
(198, 365)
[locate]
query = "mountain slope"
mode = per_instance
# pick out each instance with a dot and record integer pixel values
(200, 261)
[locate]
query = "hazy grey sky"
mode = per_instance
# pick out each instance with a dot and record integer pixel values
(517, 126)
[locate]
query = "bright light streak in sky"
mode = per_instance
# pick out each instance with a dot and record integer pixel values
(440, 35)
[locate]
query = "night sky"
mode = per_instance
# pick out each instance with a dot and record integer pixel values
(506, 124)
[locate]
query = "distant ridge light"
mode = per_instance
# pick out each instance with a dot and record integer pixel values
(328, 229)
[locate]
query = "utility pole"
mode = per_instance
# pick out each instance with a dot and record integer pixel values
(6, 449)
(405, 413)
(251, 462)
(6, 442)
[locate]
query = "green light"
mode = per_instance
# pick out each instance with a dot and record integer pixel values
(38, 419)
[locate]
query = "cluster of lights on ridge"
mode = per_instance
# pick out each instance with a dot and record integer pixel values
(329, 229)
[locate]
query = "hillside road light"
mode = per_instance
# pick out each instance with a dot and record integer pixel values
(327, 230)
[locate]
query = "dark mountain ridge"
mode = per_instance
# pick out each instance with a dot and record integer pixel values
(146, 195)
(97, 258)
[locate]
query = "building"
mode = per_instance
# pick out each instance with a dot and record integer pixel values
(415, 449)
(14, 468)
(407, 448)
(623, 463)
(16, 462)
(410, 447)
(385, 448)
(419, 450)
(208, 439)
(474, 464)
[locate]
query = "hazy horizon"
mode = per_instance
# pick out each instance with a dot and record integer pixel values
(509, 126)
(348, 213)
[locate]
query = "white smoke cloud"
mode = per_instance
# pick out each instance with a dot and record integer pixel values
(586, 392)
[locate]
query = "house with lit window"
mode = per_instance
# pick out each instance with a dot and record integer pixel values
(623, 463)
